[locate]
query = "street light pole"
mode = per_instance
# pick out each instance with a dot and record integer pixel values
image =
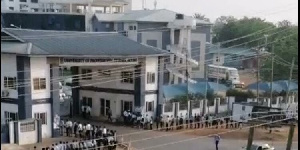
(272, 74)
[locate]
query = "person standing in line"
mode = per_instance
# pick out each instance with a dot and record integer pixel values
(61, 125)
(191, 121)
(157, 121)
(125, 115)
(195, 121)
(75, 127)
(67, 127)
(88, 130)
(217, 141)
(172, 122)
(187, 120)
(104, 132)
(181, 122)
(151, 122)
(167, 123)
(176, 122)
(161, 122)
(146, 122)
(80, 129)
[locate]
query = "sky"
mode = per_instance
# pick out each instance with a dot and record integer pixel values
(271, 10)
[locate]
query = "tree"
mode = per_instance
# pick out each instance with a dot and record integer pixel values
(284, 23)
(201, 17)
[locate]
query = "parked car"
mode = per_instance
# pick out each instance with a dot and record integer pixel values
(260, 147)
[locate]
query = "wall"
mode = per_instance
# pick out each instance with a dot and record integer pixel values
(237, 112)
(9, 69)
(102, 26)
(102, 81)
(156, 36)
(196, 37)
(132, 34)
(40, 69)
(204, 29)
(28, 137)
(44, 108)
(115, 101)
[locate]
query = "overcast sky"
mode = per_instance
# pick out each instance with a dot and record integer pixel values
(271, 10)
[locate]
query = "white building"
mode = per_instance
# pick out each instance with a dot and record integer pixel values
(66, 6)
(117, 75)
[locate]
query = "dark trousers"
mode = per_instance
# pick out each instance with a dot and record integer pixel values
(151, 126)
(187, 123)
(157, 124)
(167, 126)
(217, 144)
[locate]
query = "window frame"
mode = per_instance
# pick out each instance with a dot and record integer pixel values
(42, 116)
(10, 83)
(150, 106)
(127, 77)
(151, 78)
(39, 83)
(8, 116)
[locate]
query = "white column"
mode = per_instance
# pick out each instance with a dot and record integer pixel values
(71, 8)
(123, 8)
(111, 9)
(172, 36)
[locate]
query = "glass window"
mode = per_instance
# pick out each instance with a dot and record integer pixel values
(34, 1)
(42, 117)
(127, 77)
(11, 8)
(149, 106)
(150, 77)
(10, 116)
(10, 82)
(23, 0)
(39, 83)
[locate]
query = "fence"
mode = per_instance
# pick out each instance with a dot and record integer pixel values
(222, 105)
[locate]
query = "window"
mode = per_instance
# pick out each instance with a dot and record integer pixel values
(134, 27)
(180, 60)
(10, 82)
(86, 101)
(104, 72)
(42, 117)
(11, 0)
(10, 116)
(127, 77)
(34, 1)
(150, 77)
(149, 106)
(39, 83)
(86, 74)
(107, 25)
(23, 0)
(11, 8)
(217, 59)
(27, 126)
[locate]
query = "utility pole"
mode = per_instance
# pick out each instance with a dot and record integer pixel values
(250, 138)
(257, 75)
(206, 81)
(219, 61)
(290, 138)
(272, 74)
(291, 75)
(186, 72)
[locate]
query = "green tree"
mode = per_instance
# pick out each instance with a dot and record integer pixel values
(201, 17)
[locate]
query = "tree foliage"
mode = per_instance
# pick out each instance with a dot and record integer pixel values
(228, 28)
(201, 17)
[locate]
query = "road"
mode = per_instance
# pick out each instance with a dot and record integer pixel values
(202, 143)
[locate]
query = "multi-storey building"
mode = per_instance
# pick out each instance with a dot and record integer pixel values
(183, 35)
(112, 75)
(66, 6)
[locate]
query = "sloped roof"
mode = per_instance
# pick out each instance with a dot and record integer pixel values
(171, 91)
(160, 15)
(67, 43)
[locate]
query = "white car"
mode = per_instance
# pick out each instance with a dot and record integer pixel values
(260, 147)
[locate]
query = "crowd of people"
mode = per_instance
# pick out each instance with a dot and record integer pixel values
(179, 122)
(90, 137)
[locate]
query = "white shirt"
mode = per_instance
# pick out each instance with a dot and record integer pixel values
(80, 127)
(88, 109)
(125, 113)
(88, 127)
(69, 124)
(82, 108)
(104, 130)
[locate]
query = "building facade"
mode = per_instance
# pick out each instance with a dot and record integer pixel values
(66, 6)
(106, 75)
(182, 35)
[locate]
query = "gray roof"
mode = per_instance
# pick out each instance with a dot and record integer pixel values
(160, 15)
(68, 43)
